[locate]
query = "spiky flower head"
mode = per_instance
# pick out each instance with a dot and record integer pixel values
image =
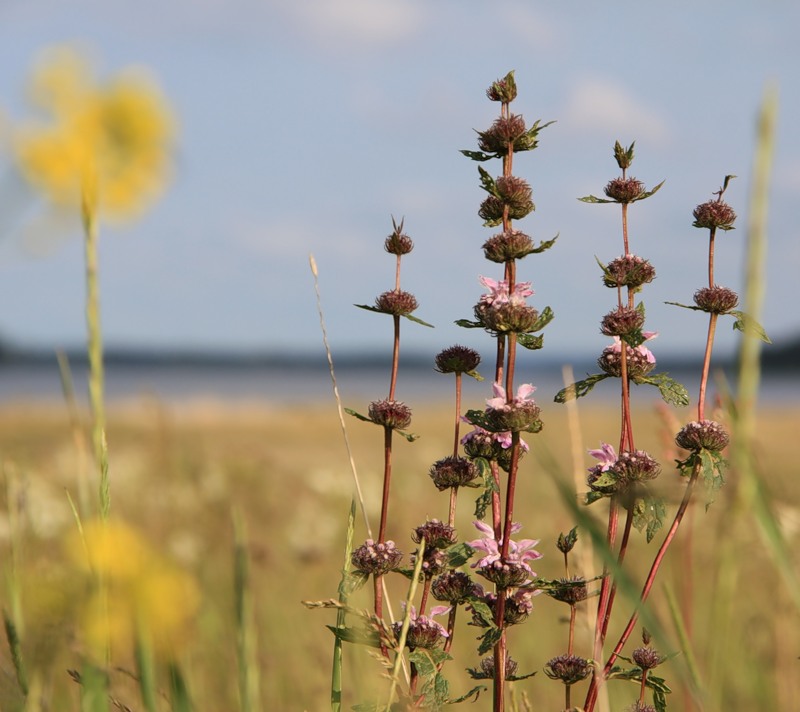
(485, 671)
(457, 359)
(504, 90)
(376, 558)
(455, 587)
(703, 435)
(398, 243)
(453, 471)
(507, 246)
(504, 131)
(396, 302)
(390, 414)
(714, 214)
(437, 535)
(641, 707)
(624, 190)
(423, 631)
(716, 299)
(640, 360)
(635, 466)
(647, 658)
(622, 321)
(512, 192)
(434, 562)
(628, 271)
(569, 590)
(515, 415)
(518, 607)
(568, 668)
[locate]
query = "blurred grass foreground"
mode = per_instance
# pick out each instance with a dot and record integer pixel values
(179, 473)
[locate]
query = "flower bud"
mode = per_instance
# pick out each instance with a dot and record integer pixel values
(486, 669)
(505, 575)
(571, 591)
(396, 302)
(639, 364)
(716, 299)
(457, 359)
(702, 435)
(568, 668)
(422, 633)
(507, 246)
(390, 414)
(455, 587)
(635, 466)
(434, 562)
(714, 214)
(622, 321)
(376, 559)
(505, 130)
(504, 90)
(506, 317)
(628, 271)
(514, 417)
(437, 535)
(624, 190)
(454, 471)
(646, 658)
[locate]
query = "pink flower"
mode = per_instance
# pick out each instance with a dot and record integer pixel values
(641, 349)
(503, 439)
(499, 293)
(519, 552)
(500, 400)
(607, 456)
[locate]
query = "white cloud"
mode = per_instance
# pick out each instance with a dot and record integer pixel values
(344, 23)
(600, 105)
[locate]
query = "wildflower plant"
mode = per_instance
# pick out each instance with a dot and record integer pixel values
(491, 576)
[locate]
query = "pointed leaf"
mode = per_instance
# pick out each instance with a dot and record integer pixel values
(672, 392)
(488, 183)
(478, 155)
(474, 692)
(458, 554)
(545, 317)
(530, 341)
(649, 193)
(544, 245)
(467, 324)
(749, 326)
(417, 320)
(488, 639)
(594, 199)
(684, 306)
(358, 415)
(580, 388)
(356, 635)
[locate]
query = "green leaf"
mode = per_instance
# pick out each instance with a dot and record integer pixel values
(580, 388)
(530, 341)
(544, 245)
(517, 678)
(353, 582)
(478, 155)
(356, 635)
(370, 308)
(474, 692)
(545, 317)
(684, 306)
(672, 392)
(749, 326)
(713, 467)
(474, 374)
(483, 611)
(467, 324)
(489, 639)
(358, 415)
(458, 554)
(649, 513)
(488, 183)
(594, 199)
(649, 193)
(417, 320)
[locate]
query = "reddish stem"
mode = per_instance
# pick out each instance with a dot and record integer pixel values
(387, 479)
(395, 356)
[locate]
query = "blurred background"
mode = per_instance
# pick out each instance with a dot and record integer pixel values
(303, 127)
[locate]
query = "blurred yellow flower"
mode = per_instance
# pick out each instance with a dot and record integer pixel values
(110, 142)
(142, 595)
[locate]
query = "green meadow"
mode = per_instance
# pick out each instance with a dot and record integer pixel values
(181, 473)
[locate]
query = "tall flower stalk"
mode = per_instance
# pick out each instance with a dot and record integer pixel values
(506, 315)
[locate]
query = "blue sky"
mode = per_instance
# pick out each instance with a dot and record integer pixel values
(306, 124)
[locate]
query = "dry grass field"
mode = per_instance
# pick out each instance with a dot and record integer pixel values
(178, 472)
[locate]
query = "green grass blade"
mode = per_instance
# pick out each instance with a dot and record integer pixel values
(336, 668)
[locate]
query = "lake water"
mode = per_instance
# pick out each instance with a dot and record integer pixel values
(271, 385)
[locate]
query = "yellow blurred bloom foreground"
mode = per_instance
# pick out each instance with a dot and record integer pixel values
(146, 596)
(109, 142)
